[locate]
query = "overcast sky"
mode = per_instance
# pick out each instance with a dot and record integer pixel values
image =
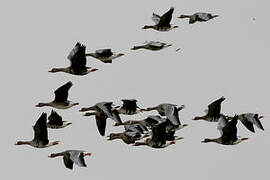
(227, 56)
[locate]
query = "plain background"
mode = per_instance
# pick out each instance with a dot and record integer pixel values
(227, 56)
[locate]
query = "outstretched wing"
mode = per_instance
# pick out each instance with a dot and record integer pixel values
(104, 52)
(77, 58)
(156, 18)
(67, 161)
(222, 122)
(166, 18)
(61, 94)
(77, 157)
(55, 119)
(214, 108)
(40, 129)
(171, 113)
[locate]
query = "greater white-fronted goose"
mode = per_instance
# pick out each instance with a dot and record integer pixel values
(55, 121)
(77, 62)
(200, 16)
(228, 132)
(168, 110)
(158, 138)
(102, 111)
(162, 23)
(105, 55)
(72, 156)
(61, 98)
(250, 119)
(213, 112)
(152, 45)
(131, 134)
(129, 107)
(40, 134)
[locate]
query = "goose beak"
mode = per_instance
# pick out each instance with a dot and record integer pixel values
(93, 70)
(214, 16)
(55, 143)
(87, 154)
(243, 139)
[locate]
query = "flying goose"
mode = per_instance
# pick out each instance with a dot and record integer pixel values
(40, 134)
(228, 132)
(131, 134)
(152, 45)
(213, 111)
(162, 23)
(129, 107)
(60, 101)
(102, 111)
(105, 55)
(250, 119)
(168, 110)
(72, 156)
(158, 138)
(77, 62)
(201, 17)
(55, 121)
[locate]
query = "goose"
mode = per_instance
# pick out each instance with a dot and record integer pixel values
(153, 120)
(162, 23)
(60, 101)
(152, 45)
(105, 55)
(158, 138)
(102, 111)
(131, 134)
(228, 132)
(168, 110)
(77, 62)
(72, 156)
(40, 134)
(250, 119)
(213, 111)
(129, 107)
(55, 121)
(200, 16)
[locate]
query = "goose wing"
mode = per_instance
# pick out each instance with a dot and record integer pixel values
(101, 122)
(230, 131)
(130, 105)
(215, 107)
(55, 119)
(104, 52)
(40, 130)
(222, 122)
(67, 161)
(158, 133)
(77, 157)
(151, 121)
(172, 114)
(61, 94)
(77, 58)
(116, 116)
(106, 107)
(166, 18)
(250, 119)
(156, 18)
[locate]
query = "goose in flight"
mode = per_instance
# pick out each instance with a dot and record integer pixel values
(72, 156)
(228, 132)
(77, 59)
(105, 55)
(158, 138)
(61, 98)
(168, 110)
(200, 16)
(55, 121)
(213, 111)
(152, 45)
(162, 23)
(102, 111)
(129, 107)
(40, 134)
(250, 119)
(131, 134)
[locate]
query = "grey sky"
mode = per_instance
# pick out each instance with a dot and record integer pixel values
(227, 56)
